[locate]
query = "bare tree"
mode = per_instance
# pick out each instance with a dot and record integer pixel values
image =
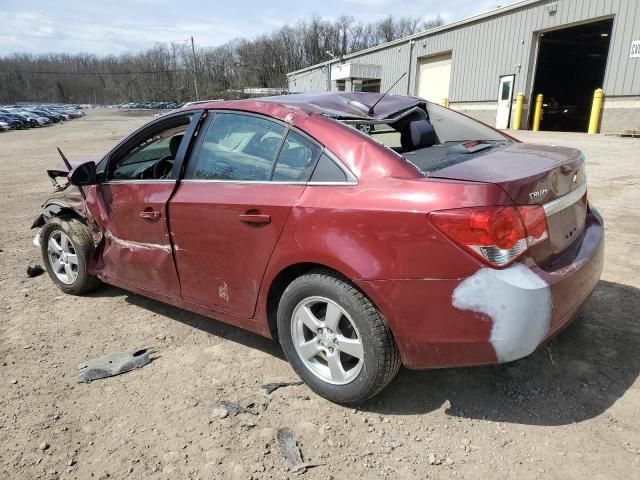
(164, 72)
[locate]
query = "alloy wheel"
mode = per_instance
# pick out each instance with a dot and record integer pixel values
(62, 257)
(327, 340)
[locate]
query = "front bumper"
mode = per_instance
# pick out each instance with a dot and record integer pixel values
(494, 316)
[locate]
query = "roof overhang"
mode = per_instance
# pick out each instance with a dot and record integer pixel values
(342, 71)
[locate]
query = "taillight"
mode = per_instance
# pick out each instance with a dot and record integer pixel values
(497, 235)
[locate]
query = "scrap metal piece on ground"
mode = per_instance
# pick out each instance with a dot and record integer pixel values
(234, 409)
(270, 387)
(111, 365)
(34, 271)
(289, 448)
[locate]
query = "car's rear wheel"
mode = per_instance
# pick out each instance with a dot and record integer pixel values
(335, 338)
(66, 247)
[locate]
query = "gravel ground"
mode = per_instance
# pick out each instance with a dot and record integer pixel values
(570, 410)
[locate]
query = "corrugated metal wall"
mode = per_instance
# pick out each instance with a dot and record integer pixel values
(488, 48)
(309, 81)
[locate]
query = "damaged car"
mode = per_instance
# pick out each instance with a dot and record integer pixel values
(363, 231)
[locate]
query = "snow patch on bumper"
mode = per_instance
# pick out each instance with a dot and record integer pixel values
(518, 302)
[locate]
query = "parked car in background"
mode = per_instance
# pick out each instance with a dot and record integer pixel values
(432, 241)
(54, 117)
(36, 120)
(19, 119)
(4, 126)
(13, 123)
(30, 115)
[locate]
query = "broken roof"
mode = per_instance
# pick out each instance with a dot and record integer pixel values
(340, 105)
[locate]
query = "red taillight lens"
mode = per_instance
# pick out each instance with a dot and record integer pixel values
(498, 235)
(535, 222)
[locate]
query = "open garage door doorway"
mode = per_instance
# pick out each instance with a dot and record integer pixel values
(570, 67)
(434, 76)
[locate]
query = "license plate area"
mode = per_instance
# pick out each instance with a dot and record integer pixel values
(566, 225)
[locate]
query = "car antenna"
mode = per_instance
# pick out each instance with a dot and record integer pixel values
(68, 165)
(383, 95)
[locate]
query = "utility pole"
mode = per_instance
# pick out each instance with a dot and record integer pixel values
(195, 76)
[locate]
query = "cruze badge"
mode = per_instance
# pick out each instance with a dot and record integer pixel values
(538, 193)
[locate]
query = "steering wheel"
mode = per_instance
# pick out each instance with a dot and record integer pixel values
(162, 168)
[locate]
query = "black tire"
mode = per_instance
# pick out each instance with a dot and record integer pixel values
(82, 243)
(381, 360)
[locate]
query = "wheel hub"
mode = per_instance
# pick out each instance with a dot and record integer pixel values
(327, 338)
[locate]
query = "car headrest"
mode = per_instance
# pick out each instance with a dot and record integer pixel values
(174, 144)
(417, 134)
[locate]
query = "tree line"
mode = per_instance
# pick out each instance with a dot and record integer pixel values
(165, 72)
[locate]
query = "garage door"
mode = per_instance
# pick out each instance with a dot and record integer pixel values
(434, 75)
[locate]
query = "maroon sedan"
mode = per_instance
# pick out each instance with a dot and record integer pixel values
(363, 231)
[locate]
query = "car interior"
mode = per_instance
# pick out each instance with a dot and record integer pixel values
(149, 158)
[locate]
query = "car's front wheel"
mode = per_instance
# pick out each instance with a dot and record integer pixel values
(66, 247)
(335, 338)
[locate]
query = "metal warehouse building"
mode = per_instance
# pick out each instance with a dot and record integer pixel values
(563, 49)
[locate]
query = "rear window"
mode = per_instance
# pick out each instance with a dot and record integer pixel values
(451, 126)
(441, 137)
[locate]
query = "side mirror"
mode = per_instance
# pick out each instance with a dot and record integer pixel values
(83, 174)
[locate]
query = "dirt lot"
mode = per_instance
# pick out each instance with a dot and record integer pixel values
(568, 411)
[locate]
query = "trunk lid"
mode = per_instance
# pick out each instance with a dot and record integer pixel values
(533, 175)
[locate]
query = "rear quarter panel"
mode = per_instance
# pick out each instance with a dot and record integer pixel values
(377, 230)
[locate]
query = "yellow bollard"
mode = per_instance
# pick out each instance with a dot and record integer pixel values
(537, 113)
(596, 109)
(445, 102)
(517, 119)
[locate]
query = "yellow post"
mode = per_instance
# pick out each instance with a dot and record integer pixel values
(596, 109)
(517, 119)
(537, 113)
(445, 102)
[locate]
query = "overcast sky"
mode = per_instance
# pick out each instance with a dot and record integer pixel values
(120, 26)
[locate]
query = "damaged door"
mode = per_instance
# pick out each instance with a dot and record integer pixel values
(140, 177)
(228, 213)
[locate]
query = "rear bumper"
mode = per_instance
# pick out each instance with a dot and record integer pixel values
(493, 316)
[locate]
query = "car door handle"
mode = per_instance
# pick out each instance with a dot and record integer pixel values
(150, 215)
(255, 218)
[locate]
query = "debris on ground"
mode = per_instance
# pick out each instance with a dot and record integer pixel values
(34, 271)
(271, 387)
(111, 365)
(220, 413)
(234, 409)
(289, 448)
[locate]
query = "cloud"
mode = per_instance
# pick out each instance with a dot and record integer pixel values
(119, 26)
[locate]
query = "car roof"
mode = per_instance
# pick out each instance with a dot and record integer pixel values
(342, 105)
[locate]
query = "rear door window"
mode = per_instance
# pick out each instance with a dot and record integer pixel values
(239, 147)
(297, 159)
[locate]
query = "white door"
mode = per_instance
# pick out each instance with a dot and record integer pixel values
(434, 75)
(505, 97)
